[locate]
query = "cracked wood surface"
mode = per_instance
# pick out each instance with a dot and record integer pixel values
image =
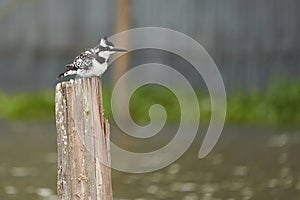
(82, 140)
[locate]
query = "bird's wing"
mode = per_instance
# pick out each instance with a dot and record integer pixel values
(87, 62)
(71, 66)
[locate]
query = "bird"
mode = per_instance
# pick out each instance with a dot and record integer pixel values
(93, 61)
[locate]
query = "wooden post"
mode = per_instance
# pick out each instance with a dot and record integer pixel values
(123, 23)
(83, 141)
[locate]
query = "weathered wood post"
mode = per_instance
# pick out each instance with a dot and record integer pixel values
(83, 141)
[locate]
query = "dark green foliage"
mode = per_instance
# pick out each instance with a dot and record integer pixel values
(33, 106)
(279, 105)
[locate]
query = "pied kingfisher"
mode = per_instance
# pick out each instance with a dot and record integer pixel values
(93, 61)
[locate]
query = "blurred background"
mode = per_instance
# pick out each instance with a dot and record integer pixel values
(255, 46)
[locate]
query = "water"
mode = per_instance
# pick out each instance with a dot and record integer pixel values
(246, 163)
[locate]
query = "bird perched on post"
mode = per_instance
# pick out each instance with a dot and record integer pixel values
(93, 61)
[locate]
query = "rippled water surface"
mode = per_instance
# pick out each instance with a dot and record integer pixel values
(246, 163)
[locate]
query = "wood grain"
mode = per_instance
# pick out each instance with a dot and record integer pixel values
(83, 141)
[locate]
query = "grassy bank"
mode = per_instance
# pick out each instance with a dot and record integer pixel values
(279, 105)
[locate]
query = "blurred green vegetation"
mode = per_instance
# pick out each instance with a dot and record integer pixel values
(278, 105)
(27, 106)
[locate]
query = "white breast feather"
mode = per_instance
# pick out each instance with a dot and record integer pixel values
(97, 69)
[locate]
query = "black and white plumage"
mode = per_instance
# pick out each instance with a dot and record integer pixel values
(93, 61)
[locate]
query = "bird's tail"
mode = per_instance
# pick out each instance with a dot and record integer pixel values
(69, 72)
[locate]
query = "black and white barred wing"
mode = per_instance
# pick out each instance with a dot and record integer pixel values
(84, 60)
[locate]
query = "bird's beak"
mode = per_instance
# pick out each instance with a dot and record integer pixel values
(115, 49)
